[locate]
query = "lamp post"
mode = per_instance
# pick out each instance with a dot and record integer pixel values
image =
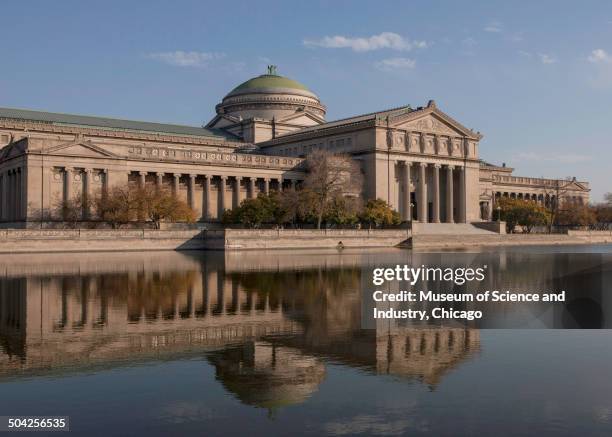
(499, 213)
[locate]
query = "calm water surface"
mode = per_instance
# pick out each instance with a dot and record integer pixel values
(272, 343)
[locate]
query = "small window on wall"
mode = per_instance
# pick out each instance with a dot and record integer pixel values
(4, 139)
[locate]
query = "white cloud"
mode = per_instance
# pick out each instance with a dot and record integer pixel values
(547, 59)
(493, 27)
(392, 64)
(569, 158)
(180, 58)
(600, 56)
(385, 40)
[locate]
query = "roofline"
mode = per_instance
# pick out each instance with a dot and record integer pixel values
(206, 133)
(342, 122)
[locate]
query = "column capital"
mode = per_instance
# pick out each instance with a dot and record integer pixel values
(143, 173)
(450, 167)
(223, 177)
(193, 176)
(423, 164)
(408, 163)
(176, 175)
(437, 166)
(159, 173)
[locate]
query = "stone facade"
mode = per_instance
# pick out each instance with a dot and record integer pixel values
(421, 161)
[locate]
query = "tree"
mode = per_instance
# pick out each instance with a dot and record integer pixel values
(525, 213)
(329, 175)
(377, 212)
(603, 212)
(251, 212)
(73, 210)
(159, 205)
(117, 207)
(122, 205)
(573, 214)
(343, 210)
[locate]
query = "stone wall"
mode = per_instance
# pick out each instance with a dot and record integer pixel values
(493, 240)
(87, 240)
(313, 238)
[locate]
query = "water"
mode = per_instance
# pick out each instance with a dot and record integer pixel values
(272, 343)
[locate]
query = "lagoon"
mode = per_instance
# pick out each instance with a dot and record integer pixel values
(160, 343)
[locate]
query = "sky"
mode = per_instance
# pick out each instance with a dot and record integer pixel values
(534, 77)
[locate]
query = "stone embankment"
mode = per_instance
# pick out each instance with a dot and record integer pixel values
(432, 241)
(97, 240)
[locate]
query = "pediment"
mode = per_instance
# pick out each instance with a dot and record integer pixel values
(223, 120)
(301, 118)
(14, 149)
(432, 120)
(430, 124)
(575, 186)
(81, 148)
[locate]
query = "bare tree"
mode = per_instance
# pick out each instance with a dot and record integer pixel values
(328, 176)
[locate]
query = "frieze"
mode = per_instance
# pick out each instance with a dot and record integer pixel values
(213, 157)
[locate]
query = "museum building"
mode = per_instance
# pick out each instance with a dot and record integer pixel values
(423, 162)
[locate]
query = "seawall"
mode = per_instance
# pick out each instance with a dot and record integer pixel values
(469, 241)
(99, 240)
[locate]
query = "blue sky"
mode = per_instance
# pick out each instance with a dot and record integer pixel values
(534, 77)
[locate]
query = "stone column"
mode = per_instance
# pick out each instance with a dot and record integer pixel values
(422, 193)
(67, 184)
(104, 176)
(267, 186)
(176, 184)
(160, 180)
(191, 194)
(222, 195)
(462, 199)
(436, 193)
(237, 191)
(19, 193)
(142, 180)
(449, 194)
(206, 198)
(252, 181)
(407, 207)
(88, 176)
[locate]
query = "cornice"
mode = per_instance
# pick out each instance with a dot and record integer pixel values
(30, 126)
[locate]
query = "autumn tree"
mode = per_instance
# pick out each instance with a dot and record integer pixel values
(122, 205)
(158, 205)
(575, 214)
(377, 212)
(525, 213)
(328, 176)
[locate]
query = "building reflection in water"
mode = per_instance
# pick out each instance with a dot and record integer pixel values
(269, 325)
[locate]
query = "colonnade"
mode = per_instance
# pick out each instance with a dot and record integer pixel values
(253, 186)
(447, 200)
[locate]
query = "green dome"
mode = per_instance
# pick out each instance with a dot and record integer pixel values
(271, 83)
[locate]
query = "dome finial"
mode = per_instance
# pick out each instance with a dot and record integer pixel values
(272, 70)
